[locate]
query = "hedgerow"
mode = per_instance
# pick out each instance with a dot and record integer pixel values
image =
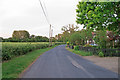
(10, 51)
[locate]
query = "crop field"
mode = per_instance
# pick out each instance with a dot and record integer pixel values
(13, 49)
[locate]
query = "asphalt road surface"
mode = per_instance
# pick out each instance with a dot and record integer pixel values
(60, 63)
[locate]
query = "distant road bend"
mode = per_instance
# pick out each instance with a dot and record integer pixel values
(60, 63)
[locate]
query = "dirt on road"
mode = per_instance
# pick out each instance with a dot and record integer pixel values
(110, 63)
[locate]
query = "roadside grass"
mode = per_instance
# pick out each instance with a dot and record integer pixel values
(13, 68)
(82, 53)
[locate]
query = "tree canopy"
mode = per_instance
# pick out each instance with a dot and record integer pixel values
(99, 15)
(68, 30)
(21, 34)
(24, 36)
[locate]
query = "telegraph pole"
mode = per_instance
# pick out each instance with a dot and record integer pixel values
(50, 29)
(50, 36)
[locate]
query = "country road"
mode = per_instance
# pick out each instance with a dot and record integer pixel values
(60, 63)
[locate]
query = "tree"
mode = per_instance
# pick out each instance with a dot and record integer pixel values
(68, 30)
(71, 28)
(59, 37)
(1, 39)
(38, 38)
(45, 39)
(53, 39)
(75, 38)
(86, 35)
(32, 36)
(101, 38)
(99, 15)
(21, 34)
(65, 36)
(112, 36)
(81, 37)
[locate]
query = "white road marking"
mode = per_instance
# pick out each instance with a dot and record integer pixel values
(79, 66)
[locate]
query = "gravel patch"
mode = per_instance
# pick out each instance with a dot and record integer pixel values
(110, 63)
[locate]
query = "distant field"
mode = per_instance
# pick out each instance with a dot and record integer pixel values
(20, 43)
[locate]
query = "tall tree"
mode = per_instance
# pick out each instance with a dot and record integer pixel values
(68, 30)
(71, 28)
(21, 34)
(99, 15)
(76, 38)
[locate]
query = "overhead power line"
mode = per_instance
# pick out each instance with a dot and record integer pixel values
(46, 16)
(44, 11)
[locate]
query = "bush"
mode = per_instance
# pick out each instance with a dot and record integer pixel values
(10, 50)
(67, 43)
(76, 47)
(87, 45)
(101, 54)
(59, 43)
(6, 56)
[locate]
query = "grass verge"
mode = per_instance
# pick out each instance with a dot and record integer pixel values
(82, 53)
(12, 68)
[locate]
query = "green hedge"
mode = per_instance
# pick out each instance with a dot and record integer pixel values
(76, 47)
(59, 43)
(10, 51)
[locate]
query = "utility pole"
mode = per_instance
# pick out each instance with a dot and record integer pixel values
(50, 31)
(50, 36)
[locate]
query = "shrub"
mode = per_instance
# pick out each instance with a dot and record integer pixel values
(59, 43)
(101, 54)
(76, 47)
(87, 45)
(11, 50)
(67, 43)
(88, 54)
(6, 56)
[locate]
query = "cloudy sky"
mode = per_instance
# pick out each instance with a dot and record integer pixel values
(28, 15)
